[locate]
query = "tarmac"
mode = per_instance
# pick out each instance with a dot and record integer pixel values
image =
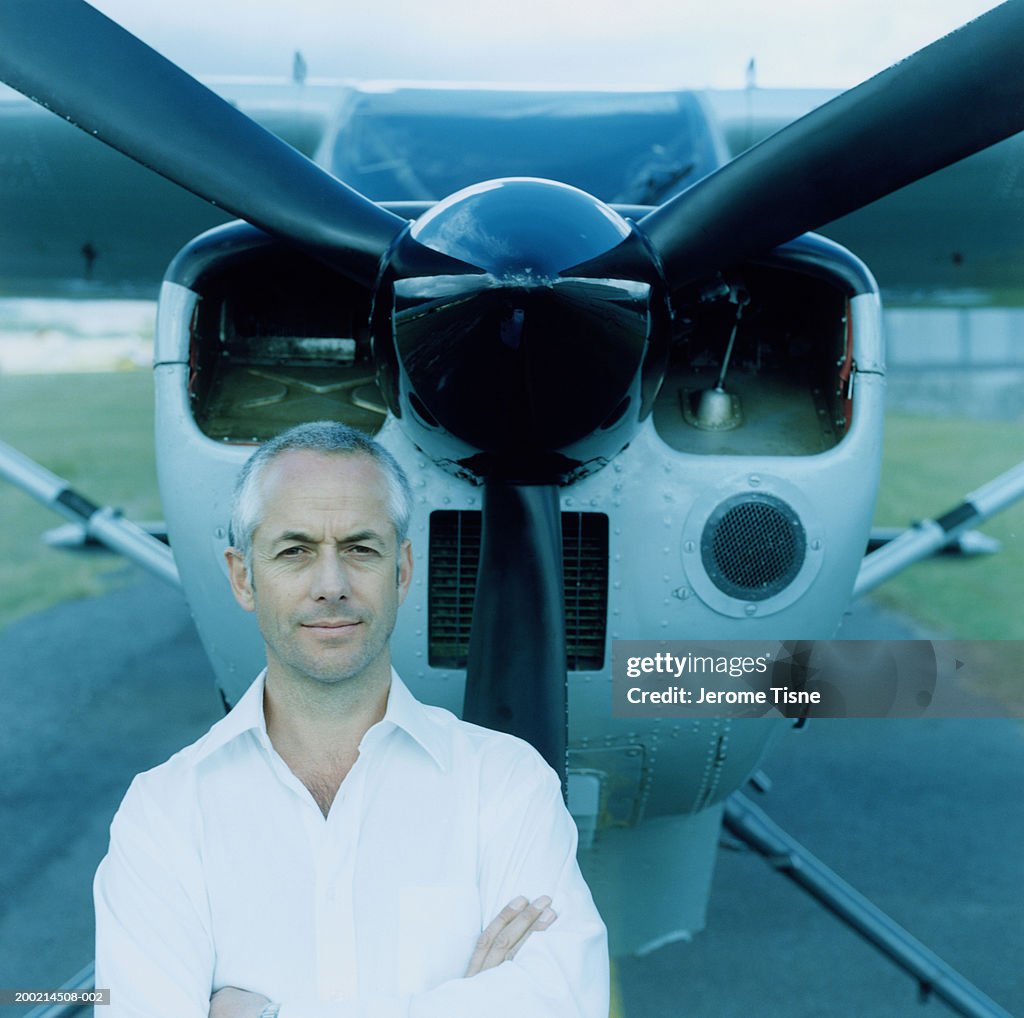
(925, 816)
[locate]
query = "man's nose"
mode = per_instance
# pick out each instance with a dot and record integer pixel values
(330, 580)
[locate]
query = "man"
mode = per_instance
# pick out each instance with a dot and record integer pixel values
(333, 848)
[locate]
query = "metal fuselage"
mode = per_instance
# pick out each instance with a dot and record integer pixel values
(676, 536)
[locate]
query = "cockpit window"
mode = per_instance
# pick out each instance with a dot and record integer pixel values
(424, 144)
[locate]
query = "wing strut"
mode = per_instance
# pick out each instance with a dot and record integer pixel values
(753, 827)
(929, 536)
(103, 524)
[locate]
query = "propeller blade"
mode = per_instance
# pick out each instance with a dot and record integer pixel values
(73, 60)
(516, 675)
(955, 97)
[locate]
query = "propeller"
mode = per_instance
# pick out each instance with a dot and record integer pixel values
(957, 96)
(516, 675)
(953, 98)
(72, 59)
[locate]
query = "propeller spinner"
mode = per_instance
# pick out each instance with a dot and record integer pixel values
(523, 378)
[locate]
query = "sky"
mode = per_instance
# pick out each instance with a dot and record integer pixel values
(663, 43)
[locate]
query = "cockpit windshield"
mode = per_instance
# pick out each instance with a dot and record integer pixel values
(424, 144)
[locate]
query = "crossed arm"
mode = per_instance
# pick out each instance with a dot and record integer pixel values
(156, 943)
(498, 943)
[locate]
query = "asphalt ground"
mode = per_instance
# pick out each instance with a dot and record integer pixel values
(925, 816)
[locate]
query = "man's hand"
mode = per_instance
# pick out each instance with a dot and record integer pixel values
(508, 932)
(230, 1002)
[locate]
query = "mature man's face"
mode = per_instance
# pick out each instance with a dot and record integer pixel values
(327, 573)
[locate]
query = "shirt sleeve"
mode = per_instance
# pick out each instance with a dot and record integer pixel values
(154, 951)
(528, 847)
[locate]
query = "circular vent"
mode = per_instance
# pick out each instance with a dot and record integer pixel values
(753, 546)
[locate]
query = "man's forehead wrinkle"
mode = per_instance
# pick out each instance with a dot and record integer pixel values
(298, 498)
(317, 536)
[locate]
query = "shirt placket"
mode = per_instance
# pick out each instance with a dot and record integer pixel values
(337, 844)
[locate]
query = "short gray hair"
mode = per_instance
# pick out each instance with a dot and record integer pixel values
(323, 437)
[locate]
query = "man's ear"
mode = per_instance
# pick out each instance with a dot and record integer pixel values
(241, 582)
(404, 569)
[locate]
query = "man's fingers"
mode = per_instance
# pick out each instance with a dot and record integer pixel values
(521, 925)
(231, 1002)
(491, 933)
(509, 930)
(542, 922)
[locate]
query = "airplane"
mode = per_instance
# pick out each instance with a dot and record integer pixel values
(641, 410)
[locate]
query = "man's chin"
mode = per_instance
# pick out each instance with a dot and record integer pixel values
(327, 669)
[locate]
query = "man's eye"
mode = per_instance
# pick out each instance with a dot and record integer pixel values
(363, 551)
(293, 552)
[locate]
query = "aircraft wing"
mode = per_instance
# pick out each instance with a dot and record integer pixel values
(955, 238)
(81, 220)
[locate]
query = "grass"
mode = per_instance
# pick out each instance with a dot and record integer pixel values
(96, 431)
(928, 467)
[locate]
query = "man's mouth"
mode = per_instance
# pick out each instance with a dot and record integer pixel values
(331, 624)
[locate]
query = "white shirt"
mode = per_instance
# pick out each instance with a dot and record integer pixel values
(222, 871)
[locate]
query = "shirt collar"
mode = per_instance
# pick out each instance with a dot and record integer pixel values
(246, 715)
(403, 712)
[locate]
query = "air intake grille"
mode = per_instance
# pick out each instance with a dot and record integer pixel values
(753, 546)
(454, 555)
